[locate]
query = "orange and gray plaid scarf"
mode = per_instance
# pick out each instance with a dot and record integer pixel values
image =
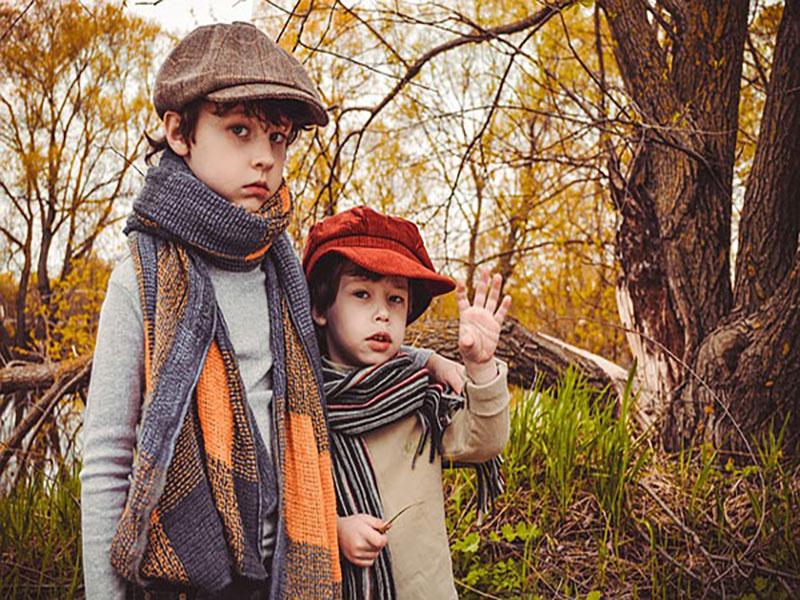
(202, 478)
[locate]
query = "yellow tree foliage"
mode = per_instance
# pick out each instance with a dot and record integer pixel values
(492, 147)
(74, 103)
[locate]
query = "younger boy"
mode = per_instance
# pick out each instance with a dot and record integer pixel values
(369, 277)
(206, 467)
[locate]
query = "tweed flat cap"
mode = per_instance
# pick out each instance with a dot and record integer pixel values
(381, 244)
(233, 62)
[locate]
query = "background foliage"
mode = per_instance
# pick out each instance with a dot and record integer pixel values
(496, 141)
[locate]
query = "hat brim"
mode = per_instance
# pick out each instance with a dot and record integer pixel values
(272, 91)
(388, 262)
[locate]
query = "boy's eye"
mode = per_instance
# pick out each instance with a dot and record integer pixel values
(239, 130)
(361, 294)
(394, 299)
(277, 137)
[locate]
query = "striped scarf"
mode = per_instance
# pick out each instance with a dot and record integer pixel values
(202, 478)
(363, 400)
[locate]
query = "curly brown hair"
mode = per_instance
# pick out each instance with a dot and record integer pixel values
(267, 110)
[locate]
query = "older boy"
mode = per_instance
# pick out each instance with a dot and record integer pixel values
(206, 462)
(369, 277)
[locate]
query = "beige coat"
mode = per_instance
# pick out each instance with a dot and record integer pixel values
(418, 538)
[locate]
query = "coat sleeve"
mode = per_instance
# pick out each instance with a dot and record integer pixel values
(420, 356)
(480, 431)
(109, 429)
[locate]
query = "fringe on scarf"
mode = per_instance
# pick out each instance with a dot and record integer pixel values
(202, 479)
(363, 400)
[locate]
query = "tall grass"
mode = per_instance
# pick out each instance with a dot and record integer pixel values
(590, 510)
(40, 537)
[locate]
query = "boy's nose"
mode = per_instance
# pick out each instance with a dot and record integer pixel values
(263, 157)
(382, 313)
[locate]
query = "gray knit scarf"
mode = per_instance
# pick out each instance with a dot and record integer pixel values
(366, 399)
(203, 480)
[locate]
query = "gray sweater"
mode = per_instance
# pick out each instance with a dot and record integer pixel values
(115, 396)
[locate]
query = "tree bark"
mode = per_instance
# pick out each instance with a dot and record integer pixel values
(770, 220)
(735, 368)
(748, 373)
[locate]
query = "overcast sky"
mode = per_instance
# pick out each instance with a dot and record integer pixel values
(180, 16)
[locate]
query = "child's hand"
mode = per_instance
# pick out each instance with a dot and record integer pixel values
(446, 371)
(479, 326)
(359, 538)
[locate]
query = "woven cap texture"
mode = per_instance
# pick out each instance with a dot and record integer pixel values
(380, 243)
(233, 62)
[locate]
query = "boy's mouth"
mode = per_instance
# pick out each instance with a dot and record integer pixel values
(379, 342)
(381, 336)
(257, 188)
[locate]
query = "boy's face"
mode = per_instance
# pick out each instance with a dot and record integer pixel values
(237, 155)
(366, 323)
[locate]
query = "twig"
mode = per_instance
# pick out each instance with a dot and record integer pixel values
(37, 413)
(15, 21)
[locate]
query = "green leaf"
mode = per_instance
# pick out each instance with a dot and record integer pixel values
(468, 544)
(760, 584)
(594, 595)
(509, 533)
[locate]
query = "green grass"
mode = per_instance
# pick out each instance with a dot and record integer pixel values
(590, 510)
(40, 538)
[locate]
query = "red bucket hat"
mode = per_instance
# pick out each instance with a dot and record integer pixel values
(381, 244)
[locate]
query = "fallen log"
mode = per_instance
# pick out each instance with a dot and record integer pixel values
(66, 380)
(527, 353)
(32, 376)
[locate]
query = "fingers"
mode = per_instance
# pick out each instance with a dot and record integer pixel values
(499, 312)
(461, 296)
(363, 562)
(480, 289)
(494, 292)
(487, 293)
(375, 539)
(372, 534)
(502, 311)
(456, 379)
(373, 522)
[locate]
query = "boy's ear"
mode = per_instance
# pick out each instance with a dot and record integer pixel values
(173, 135)
(320, 319)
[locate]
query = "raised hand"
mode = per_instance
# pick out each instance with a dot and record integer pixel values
(479, 325)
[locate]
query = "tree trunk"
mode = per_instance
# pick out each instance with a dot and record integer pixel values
(749, 372)
(750, 365)
(770, 220)
(675, 237)
(21, 338)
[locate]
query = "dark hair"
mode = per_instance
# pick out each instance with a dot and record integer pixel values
(323, 285)
(266, 110)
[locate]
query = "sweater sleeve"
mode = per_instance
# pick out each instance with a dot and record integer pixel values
(420, 356)
(109, 429)
(480, 431)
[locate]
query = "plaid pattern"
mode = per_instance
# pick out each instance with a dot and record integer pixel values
(363, 400)
(202, 479)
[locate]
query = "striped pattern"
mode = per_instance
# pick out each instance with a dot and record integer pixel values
(202, 478)
(363, 400)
